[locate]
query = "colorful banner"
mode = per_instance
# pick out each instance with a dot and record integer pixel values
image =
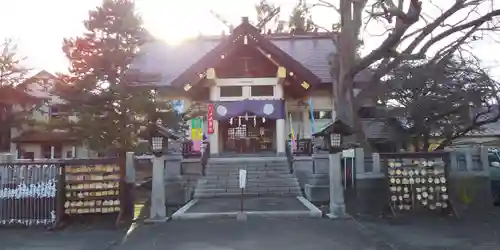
(210, 118)
(197, 133)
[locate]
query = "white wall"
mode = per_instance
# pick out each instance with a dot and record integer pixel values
(321, 100)
(246, 84)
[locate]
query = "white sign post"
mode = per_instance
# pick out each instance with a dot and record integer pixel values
(243, 178)
(243, 184)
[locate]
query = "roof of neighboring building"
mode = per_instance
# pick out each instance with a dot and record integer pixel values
(37, 136)
(43, 74)
(10, 95)
(163, 63)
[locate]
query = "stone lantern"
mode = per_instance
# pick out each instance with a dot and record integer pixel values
(333, 135)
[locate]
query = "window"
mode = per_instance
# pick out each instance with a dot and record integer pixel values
(318, 115)
(231, 91)
(58, 111)
(28, 155)
(296, 116)
(262, 90)
(54, 112)
(46, 151)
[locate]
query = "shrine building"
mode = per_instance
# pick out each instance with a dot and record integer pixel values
(252, 90)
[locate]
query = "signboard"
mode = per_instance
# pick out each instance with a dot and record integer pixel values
(210, 118)
(243, 178)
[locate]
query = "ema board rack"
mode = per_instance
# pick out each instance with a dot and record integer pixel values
(92, 187)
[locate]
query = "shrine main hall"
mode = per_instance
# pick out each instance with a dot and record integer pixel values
(250, 90)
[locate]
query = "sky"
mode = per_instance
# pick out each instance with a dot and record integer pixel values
(38, 26)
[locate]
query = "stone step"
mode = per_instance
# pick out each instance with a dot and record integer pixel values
(261, 173)
(247, 194)
(249, 177)
(261, 179)
(218, 192)
(265, 177)
(250, 189)
(252, 160)
(250, 184)
(246, 167)
(242, 163)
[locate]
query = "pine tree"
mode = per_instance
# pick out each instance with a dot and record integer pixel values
(110, 113)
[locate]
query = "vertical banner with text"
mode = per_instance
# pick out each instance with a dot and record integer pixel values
(210, 118)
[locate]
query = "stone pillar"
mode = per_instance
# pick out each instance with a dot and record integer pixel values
(468, 159)
(376, 163)
(214, 139)
(337, 205)
(280, 137)
(129, 185)
(175, 187)
(359, 155)
(73, 152)
(483, 153)
(130, 168)
(173, 171)
(158, 212)
(52, 152)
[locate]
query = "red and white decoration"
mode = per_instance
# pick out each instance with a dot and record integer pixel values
(210, 118)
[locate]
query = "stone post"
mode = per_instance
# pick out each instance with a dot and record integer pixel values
(483, 154)
(129, 181)
(175, 188)
(173, 166)
(359, 155)
(468, 159)
(52, 152)
(158, 211)
(376, 163)
(130, 168)
(337, 205)
(453, 161)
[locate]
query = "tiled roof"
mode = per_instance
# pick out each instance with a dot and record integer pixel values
(36, 136)
(167, 62)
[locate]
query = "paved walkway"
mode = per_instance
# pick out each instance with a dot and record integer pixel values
(254, 234)
(480, 232)
(74, 239)
(433, 233)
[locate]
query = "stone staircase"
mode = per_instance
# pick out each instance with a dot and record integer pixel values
(266, 176)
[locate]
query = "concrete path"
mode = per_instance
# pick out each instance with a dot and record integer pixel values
(254, 234)
(436, 233)
(431, 233)
(252, 206)
(74, 239)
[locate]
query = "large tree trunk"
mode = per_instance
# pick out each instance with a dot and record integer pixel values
(343, 94)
